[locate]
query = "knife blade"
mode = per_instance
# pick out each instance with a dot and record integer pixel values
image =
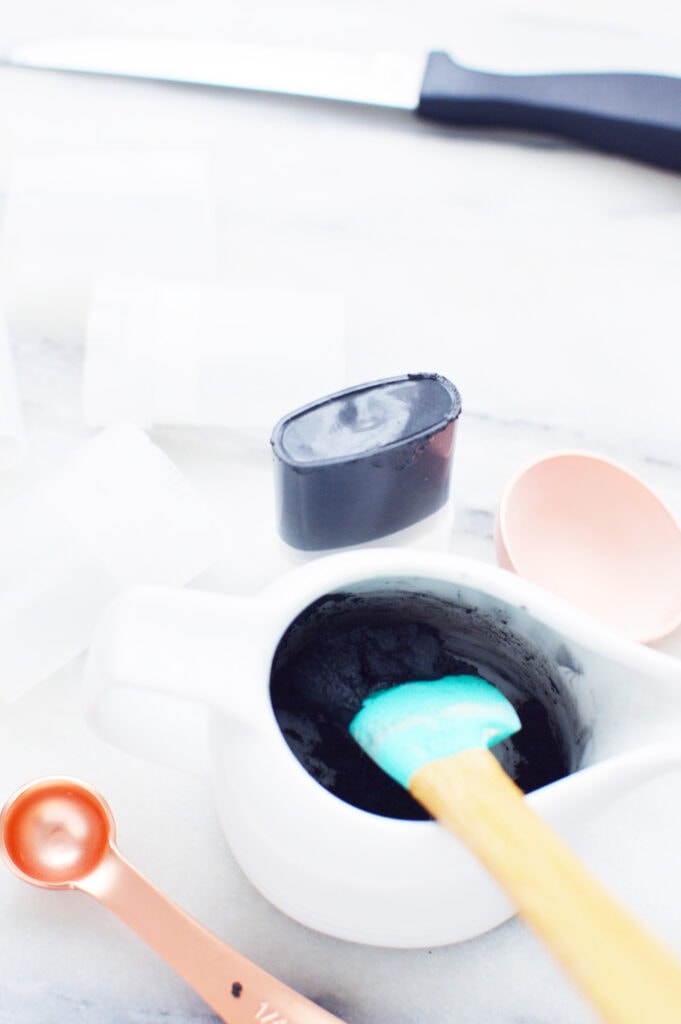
(629, 114)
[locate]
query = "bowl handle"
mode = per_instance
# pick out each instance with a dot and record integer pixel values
(162, 659)
(571, 801)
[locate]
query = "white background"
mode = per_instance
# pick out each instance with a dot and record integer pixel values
(542, 279)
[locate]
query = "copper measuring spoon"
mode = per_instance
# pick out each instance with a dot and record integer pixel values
(58, 833)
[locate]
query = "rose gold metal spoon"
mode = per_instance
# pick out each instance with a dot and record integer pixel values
(58, 833)
(590, 531)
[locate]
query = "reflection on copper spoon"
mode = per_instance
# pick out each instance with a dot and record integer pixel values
(58, 833)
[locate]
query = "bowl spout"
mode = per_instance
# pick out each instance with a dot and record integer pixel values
(162, 660)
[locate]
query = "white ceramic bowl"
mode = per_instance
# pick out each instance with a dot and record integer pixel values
(183, 677)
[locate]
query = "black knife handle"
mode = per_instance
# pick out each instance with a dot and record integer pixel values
(630, 114)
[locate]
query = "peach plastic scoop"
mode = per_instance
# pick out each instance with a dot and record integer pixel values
(591, 532)
(58, 833)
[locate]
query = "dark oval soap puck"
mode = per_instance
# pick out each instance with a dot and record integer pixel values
(364, 462)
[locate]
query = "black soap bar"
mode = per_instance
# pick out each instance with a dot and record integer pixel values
(365, 462)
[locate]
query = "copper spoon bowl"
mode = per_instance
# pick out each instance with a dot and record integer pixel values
(58, 833)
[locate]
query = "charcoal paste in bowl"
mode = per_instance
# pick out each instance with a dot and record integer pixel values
(347, 645)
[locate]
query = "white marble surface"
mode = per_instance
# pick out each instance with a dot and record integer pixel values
(541, 279)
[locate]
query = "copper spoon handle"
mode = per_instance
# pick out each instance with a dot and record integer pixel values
(238, 990)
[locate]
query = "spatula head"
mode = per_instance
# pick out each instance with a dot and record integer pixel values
(408, 726)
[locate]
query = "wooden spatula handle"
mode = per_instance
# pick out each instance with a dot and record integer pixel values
(625, 972)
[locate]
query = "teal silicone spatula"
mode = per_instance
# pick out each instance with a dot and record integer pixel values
(434, 739)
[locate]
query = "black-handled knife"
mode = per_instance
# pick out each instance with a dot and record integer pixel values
(630, 114)
(633, 115)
